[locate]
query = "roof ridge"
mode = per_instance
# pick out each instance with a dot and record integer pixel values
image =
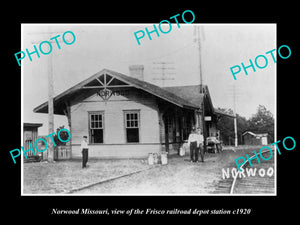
(153, 85)
(139, 84)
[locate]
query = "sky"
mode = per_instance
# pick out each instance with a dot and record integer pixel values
(113, 46)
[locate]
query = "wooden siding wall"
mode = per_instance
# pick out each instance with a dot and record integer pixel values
(29, 136)
(114, 130)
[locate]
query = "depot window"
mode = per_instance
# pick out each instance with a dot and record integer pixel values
(132, 126)
(96, 127)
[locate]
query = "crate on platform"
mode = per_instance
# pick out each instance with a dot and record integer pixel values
(158, 158)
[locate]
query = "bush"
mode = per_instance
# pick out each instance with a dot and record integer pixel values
(63, 136)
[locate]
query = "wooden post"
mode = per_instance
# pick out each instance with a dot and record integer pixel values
(50, 150)
(235, 119)
(50, 108)
(166, 134)
(164, 114)
(202, 91)
(204, 131)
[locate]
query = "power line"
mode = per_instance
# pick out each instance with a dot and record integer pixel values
(157, 57)
(163, 72)
(50, 153)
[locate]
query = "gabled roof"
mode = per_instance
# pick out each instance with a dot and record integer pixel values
(255, 135)
(81, 88)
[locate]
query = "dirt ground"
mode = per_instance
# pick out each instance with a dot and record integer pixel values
(64, 176)
(179, 176)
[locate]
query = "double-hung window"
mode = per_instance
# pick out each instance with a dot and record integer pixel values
(96, 127)
(132, 126)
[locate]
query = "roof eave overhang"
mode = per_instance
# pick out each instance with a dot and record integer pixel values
(64, 96)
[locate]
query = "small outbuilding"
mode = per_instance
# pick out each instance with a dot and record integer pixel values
(251, 138)
(30, 135)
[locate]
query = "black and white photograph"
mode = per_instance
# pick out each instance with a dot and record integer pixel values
(139, 112)
(161, 109)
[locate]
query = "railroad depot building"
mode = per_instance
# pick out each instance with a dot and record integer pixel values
(124, 116)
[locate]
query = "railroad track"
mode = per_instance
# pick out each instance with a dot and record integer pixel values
(261, 183)
(249, 184)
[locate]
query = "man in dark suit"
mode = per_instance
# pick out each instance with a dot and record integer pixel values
(85, 151)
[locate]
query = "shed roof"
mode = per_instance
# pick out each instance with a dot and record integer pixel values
(255, 135)
(192, 94)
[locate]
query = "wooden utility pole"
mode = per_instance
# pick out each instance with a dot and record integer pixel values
(235, 94)
(50, 149)
(200, 60)
(50, 108)
(198, 39)
(235, 119)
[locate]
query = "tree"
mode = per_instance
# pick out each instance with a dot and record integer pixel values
(262, 122)
(226, 127)
(242, 126)
(63, 136)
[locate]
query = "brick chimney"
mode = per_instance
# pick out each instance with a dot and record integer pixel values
(137, 71)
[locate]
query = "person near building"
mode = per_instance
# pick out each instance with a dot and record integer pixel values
(85, 151)
(201, 143)
(194, 141)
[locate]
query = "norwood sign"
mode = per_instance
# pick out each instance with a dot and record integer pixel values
(105, 94)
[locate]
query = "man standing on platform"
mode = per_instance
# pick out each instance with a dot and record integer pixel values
(85, 151)
(194, 141)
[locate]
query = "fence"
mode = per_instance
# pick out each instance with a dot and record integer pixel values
(62, 152)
